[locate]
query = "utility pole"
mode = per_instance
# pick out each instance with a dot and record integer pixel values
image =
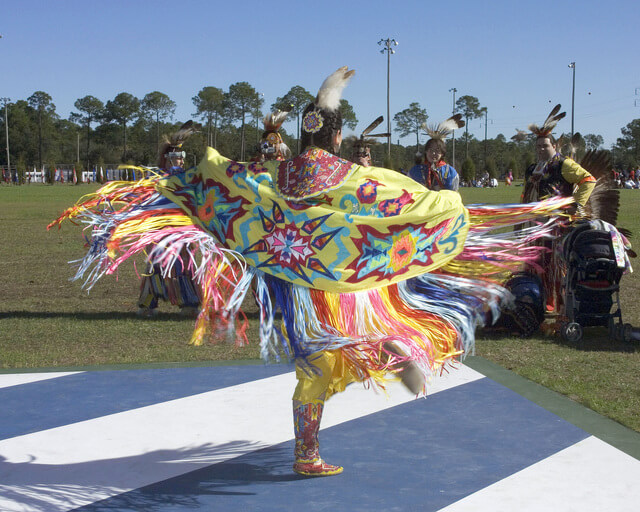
(386, 44)
(485, 137)
(572, 65)
(258, 96)
(6, 130)
(453, 132)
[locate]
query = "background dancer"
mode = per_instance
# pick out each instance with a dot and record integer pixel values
(178, 286)
(554, 174)
(434, 173)
(362, 144)
(272, 147)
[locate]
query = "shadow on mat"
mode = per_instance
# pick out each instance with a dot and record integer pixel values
(270, 465)
(205, 470)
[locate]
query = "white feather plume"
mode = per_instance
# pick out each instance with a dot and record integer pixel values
(330, 92)
(444, 129)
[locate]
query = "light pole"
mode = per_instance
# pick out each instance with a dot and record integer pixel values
(6, 129)
(486, 112)
(453, 132)
(572, 65)
(386, 44)
(486, 124)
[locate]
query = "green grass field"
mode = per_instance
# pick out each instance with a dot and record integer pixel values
(48, 321)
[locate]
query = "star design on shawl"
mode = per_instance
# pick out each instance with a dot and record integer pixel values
(394, 252)
(293, 246)
(288, 246)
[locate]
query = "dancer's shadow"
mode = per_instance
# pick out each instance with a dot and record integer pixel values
(182, 476)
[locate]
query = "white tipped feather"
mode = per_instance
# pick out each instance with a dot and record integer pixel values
(330, 92)
(453, 123)
(444, 129)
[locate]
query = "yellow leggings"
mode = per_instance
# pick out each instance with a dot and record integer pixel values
(332, 376)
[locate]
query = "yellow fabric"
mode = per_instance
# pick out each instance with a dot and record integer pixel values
(574, 173)
(333, 377)
(346, 241)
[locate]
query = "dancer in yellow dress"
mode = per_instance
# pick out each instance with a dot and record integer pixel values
(375, 277)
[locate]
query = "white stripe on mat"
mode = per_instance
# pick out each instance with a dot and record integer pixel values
(15, 379)
(589, 476)
(67, 467)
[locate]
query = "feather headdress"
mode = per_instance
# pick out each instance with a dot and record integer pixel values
(361, 145)
(444, 129)
(330, 92)
(364, 140)
(519, 136)
(549, 124)
(174, 142)
(179, 137)
(272, 145)
(273, 121)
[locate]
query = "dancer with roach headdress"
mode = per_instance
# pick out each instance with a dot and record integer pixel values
(362, 144)
(554, 174)
(434, 173)
(176, 286)
(272, 147)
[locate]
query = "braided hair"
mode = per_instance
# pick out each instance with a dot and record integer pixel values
(319, 127)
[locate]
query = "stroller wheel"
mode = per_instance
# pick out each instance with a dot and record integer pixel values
(572, 332)
(627, 333)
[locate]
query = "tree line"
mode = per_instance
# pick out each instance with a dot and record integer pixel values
(127, 129)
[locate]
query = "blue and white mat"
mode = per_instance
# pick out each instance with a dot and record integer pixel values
(221, 438)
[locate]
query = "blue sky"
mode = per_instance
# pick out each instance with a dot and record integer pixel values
(511, 55)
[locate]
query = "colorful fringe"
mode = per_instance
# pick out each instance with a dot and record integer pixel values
(498, 245)
(430, 318)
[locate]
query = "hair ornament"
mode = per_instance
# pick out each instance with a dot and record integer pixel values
(312, 121)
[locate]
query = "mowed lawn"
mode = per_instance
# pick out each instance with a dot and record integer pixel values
(48, 321)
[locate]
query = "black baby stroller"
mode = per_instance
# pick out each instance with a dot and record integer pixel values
(595, 260)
